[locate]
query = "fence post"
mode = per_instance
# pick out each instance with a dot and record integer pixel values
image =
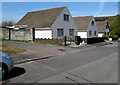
(9, 34)
(33, 33)
(65, 41)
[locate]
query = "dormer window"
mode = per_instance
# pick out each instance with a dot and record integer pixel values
(92, 22)
(66, 17)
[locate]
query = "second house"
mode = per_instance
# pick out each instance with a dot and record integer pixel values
(86, 27)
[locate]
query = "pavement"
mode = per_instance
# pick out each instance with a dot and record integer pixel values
(43, 51)
(92, 65)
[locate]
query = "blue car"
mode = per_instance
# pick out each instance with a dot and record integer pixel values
(6, 64)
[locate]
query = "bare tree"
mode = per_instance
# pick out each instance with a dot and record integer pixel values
(7, 23)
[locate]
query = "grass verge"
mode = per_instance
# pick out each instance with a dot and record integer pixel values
(15, 40)
(38, 42)
(11, 49)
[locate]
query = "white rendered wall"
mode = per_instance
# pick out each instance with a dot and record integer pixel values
(82, 34)
(43, 34)
(66, 25)
(100, 34)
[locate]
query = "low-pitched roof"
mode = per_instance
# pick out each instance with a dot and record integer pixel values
(82, 22)
(101, 25)
(41, 19)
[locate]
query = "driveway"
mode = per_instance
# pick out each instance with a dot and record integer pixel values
(37, 51)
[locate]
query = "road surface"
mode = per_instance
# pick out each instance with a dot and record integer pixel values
(93, 65)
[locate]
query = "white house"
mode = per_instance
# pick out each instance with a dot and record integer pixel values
(50, 23)
(103, 27)
(86, 27)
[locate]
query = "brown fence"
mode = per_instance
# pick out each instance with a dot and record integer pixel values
(59, 41)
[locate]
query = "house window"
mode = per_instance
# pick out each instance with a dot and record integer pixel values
(71, 31)
(60, 32)
(90, 33)
(95, 32)
(92, 22)
(66, 17)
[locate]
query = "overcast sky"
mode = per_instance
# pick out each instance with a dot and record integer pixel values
(16, 10)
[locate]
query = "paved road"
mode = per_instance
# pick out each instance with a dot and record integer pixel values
(93, 65)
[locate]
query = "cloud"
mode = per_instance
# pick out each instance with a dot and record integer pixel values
(101, 7)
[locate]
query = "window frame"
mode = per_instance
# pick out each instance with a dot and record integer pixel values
(71, 32)
(60, 32)
(90, 33)
(95, 33)
(92, 22)
(66, 17)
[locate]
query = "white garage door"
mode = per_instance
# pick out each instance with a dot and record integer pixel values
(43, 34)
(100, 34)
(82, 34)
